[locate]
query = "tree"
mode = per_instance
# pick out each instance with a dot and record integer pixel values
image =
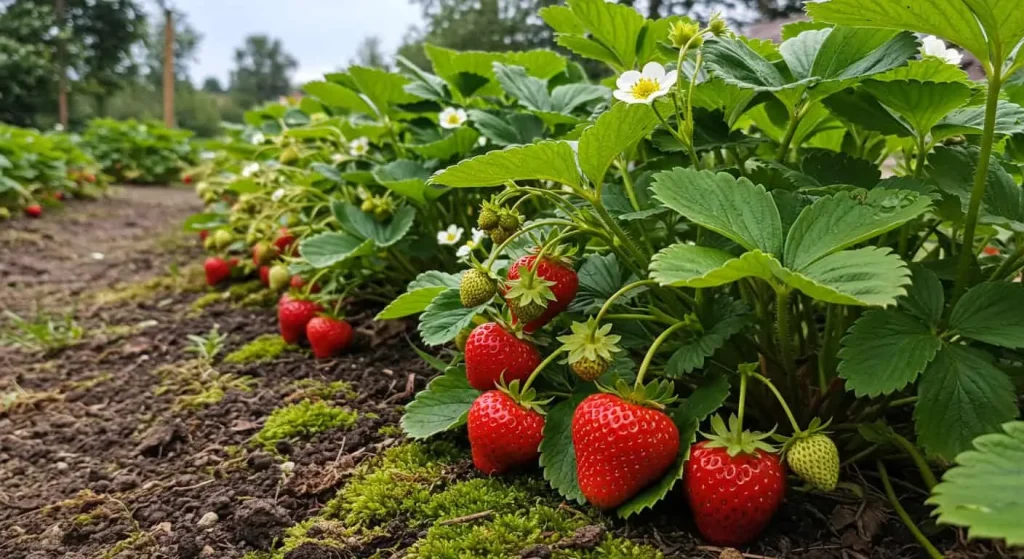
(370, 54)
(262, 70)
(494, 25)
(212, 85)
(186, 42)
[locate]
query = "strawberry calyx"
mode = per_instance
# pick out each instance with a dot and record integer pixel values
(814, 428)
(525, 398)
(735, 440)
(656, 394)
(559, 254)
(529, 295)
(589, 341)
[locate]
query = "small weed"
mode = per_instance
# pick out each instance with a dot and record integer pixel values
(303, 419)
(17, 398)
(42, 333)
(89, 383)
(198, 385)
(264, 348)
(207, 347)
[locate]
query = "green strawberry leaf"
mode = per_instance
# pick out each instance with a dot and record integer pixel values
(961, 395)
(615, 131)
(460, 142)
(410, 302)
(734, 208)
(435, 278)
(984, 492)
(557, 454)
(710, 394)
(364, 225)
(991, 313)
(884, 351)
(549, 160)
(867, 277)
(445, 316)
(684, 265)
(925, 298)
(657, 491)
(847, 218)
(327, 249)
(728, 317)
(531, 92)
(444, 405)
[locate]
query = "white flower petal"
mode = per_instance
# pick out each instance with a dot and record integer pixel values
(478, 235)
(627, 79)
(463, 251)
(650, 98)
(654, 71)
(668, 81)
(625, 96)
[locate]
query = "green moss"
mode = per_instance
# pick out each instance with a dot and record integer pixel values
(390, 431)
(240, 291)
(260, 299)
(303, 419)
(177, 280)
(207, 300)
(264, 348)
(195, 385)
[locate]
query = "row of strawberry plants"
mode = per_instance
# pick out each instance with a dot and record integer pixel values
(42, 169)
(818, 239)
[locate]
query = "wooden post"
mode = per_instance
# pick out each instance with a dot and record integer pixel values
(60, 9)
(168, 68)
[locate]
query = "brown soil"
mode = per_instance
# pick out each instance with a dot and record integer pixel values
(98, 465)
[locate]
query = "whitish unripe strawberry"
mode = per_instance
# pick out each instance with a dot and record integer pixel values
(222, 238)
(279, 278)
(815, 459)
(476, 288)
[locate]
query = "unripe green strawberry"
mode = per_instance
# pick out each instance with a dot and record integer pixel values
(222, 238)
(527, 312)
(488, 219)
(816, 460)
(381, 213)
(210, 243)
(5, 213)
(509, 221)
(589, 369)
(279, 278)
(499, 235)
(476, 288)
(461, 338)
(368, 205)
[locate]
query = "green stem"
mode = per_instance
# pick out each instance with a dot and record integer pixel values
(926, 473)
(921, 539)
(628, 182)
(535, 225)
(787, 138)
(618, 232)
(743, 401)
(654, 349)
(783, 330)
(536, 372)
(622, 291)
(643, 317)
(922, 154)
(782, 401)
(963, 272)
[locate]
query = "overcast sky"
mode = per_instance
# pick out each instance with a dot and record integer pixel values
(322, 35)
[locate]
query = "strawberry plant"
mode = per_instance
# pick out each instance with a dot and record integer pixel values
(841, 209)
(139, 152)
(818, 239)
(42, 169)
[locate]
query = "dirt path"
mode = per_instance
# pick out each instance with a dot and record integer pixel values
(122, 444)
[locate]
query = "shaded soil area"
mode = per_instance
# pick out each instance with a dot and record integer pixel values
(103, 454)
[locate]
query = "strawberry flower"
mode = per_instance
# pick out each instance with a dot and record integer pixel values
(477, 236)
(452, 118)
(450, 236)
(359, 147)
(250, 169)
(644, 86)
(935, 47)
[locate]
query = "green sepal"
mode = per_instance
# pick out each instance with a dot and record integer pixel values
(526, 399)
(736, 441)
(589, 341)
(656, 394)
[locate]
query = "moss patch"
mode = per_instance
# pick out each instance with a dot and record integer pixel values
(264, 348)
(314, 389)
(414, 486)
(303, 420)
(177, 280)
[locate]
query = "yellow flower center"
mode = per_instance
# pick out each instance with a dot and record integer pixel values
(644, 88)
(453, 118)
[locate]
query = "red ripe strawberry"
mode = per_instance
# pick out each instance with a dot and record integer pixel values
(503, 434)
(263, 253)
(565, 281)
(493, 354)
(265, 275)
(91, 177)
(203, 235)
(187, 179)
(620, 448)
(293, 315)
(732, 497)
(58, 196)
(284, 241)
(328, 336)
(991, 250)
(217, 270)
(34, 210)
(297, 282)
